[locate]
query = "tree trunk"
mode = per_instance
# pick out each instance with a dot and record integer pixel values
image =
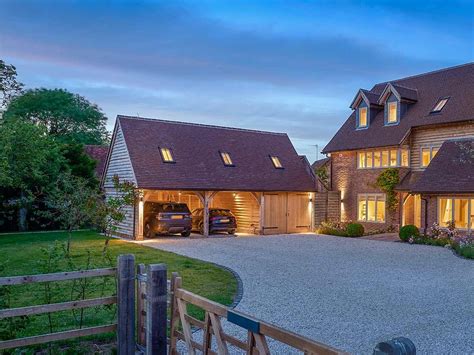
(22, 213)
(69, 236)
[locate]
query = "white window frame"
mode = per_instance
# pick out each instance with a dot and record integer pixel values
(372, 153)
(377, 198)
(431, 147)
(453, 201)
(391, 103)
(359, 126)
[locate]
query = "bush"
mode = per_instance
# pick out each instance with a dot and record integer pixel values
(408, 231)
(331, 228)
(355, 230)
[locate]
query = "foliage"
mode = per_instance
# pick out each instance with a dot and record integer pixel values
(467, 152)
(408, 231)
(110, 211)
(200, 277)
(72, 203)
(333, 228)
(322, 174)
(354, 230)
(68, 117)
(387, 181)
(9, 86)
(79, 163)
(30, 161)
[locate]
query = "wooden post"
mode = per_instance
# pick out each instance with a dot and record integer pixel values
(140, 208)
(141, 294)
(205, 216)
(126, 305)
(156, 305)
(175, 284)
(262, 213)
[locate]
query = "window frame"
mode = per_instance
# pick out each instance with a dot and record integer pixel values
(445, 99)
(373, 152)
(470, 210)
(359, 126)
(430, 147)
(221, 154)
(172, 161)
(387, 120)
(273, 162)
(377, 197)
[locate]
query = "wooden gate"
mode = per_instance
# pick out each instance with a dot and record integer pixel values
(287, 213)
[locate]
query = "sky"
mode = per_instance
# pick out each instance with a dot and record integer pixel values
(282, 66)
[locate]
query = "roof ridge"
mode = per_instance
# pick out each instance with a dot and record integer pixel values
(402, 86)
(427, 73)
(200, 125)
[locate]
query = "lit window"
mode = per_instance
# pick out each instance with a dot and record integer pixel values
(362, 117)
(371, 208)
(166, 155)
(404, 158)
(440, 105)
(384, 158)
(370, 160)
(362, 162)
(394, 158)
(276, 162)
(226, 159)
(392, 112)
(376, 159)
(457, 210)
(427, 154)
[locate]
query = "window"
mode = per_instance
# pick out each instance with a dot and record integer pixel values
(383, 159)
(392, 113)
(226, 159)
(363, 117)
(440, 105)
(371, 208)
(166, 155)
(427, 154)
(276, 162)
(458, 210)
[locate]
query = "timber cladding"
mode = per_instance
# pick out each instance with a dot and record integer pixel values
(327, 207)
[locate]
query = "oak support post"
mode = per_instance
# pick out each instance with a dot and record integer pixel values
(140, 219)
(206, 214)
(126, 305)
(156, 305)
(262, 213)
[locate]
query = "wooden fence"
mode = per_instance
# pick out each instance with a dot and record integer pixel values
(142, 323)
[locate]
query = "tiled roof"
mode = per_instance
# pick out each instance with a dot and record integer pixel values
(199, 166)
(457, 83)
(319, 163)
(450, 171)
(98, 153)
(408, 181)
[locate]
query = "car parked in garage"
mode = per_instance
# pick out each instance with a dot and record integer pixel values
(166, 218)
(220, 220)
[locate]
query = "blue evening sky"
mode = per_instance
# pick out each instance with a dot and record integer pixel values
(285, 66)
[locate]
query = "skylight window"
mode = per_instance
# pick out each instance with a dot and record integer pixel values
(166, 155)
(440, 105)
(276, 162)
(226, 159)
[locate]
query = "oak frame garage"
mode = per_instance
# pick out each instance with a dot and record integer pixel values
(258, 175)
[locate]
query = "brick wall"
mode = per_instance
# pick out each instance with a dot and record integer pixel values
(327, 207)
(351, 181)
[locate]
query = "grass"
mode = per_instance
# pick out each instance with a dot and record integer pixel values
(23, 254)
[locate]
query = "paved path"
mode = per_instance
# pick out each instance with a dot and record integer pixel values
(349, 293)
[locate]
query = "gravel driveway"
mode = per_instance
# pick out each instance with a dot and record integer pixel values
(349, 293)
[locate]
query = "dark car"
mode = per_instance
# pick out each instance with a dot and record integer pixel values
(220, 220)
(166, 218)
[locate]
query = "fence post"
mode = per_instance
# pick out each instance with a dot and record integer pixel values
(175, 284)
(141, 294)
(156, 305)
(126, 305)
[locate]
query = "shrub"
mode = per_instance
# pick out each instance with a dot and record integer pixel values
(408, 231)
(355, 230)
(331, 228)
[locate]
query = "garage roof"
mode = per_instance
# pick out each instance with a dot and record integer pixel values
(198, 164)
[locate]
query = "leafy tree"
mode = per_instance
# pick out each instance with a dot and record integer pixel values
(110, 211)
(72, 203)
(80, 164)
(322, 173)
(68, 117)
(9, 86)
(30, 160)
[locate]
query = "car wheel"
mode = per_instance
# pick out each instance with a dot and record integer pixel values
(147, 231)
(201, 229)
(231, 231)
(186, 234)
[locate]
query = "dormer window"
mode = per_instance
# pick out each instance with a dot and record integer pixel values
(392, 114)
(167, 155)
(226, 159)
(363, 121)
(440, 105)
(276, 162)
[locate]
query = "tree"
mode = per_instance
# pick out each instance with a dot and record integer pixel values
(110, 211)
(72, 203)
(80, 164)
(30, 160)
(9, 86)
(68, 117)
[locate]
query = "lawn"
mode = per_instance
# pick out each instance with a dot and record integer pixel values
(22, 254)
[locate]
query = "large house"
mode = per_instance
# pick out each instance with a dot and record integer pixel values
(258, 175)
(421, 126)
